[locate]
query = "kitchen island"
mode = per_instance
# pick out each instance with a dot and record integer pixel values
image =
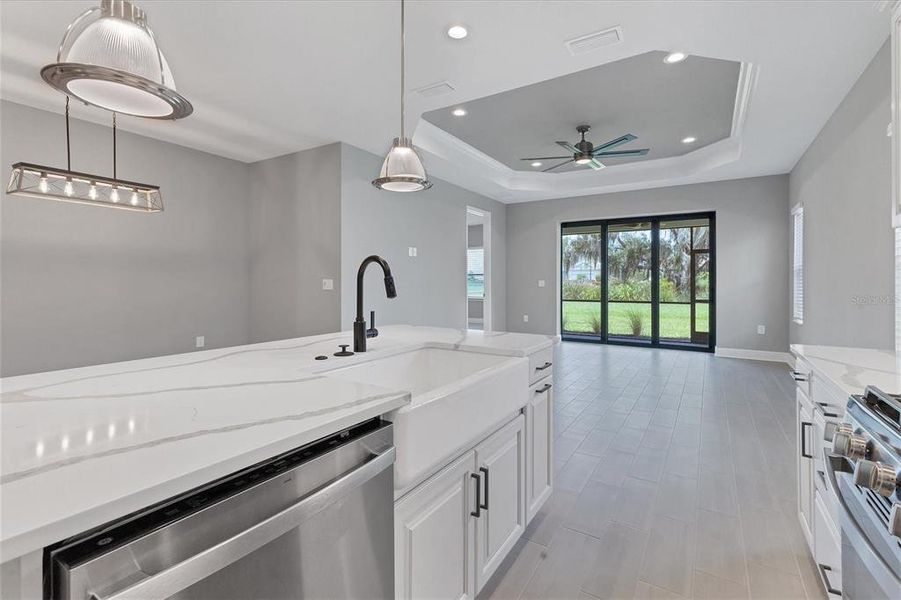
(82, 447)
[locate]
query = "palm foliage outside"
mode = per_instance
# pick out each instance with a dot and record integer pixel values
(628, 273)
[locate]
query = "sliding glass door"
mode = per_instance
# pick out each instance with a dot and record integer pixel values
(629, 302)
(644, 281)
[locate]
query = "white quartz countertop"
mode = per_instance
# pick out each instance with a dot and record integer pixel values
(84, 446)
(850, 370)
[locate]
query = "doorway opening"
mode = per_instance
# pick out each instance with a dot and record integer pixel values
(478, 268)
(640, 281)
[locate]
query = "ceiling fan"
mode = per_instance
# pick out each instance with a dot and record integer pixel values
(584, 152)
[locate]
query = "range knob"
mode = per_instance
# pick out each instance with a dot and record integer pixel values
(832, 428)
(876, 476)
(848, 444)
(894, 520)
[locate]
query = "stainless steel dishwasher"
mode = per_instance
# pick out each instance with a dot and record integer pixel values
(316, 522)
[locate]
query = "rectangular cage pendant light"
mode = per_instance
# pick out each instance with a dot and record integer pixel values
(37, 181)
(66, 185)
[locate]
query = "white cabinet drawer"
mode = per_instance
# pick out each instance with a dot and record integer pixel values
(541, 364)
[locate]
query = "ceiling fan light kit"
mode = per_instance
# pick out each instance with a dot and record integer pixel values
(109, 58)
(585, 153)
(402, 169)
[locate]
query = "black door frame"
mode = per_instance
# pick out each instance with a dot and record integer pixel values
(654, 341)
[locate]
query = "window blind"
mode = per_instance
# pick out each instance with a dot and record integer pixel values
(475, 261)
(798, 265)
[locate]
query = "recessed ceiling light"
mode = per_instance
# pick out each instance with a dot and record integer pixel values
(537, 163)
(459, 112)
(674, 57)
(457, 32)
(689, 140)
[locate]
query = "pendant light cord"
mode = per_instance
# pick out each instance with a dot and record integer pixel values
(402, 69)
(68, 145)
(114, 146)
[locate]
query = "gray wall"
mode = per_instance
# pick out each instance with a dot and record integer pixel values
(84, 285)
(844, 183)
(752, 253)
(295, 243)
(431, 287)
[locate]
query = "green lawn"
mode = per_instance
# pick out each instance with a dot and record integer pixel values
(675, 319)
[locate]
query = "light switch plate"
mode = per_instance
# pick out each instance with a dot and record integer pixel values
(761, 329)
(525, 318)
(412, 251)
(328, 284)
(199, 341)
(541, 283)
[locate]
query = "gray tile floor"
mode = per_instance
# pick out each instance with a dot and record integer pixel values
(675, 479)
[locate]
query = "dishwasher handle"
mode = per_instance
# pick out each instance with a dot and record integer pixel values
(188, 572)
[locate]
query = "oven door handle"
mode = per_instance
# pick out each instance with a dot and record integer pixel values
(178, 577)
(840, 463)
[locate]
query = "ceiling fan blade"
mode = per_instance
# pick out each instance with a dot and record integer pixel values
(569, 147)
(596, 164)
(557, 165)
(621, 153)
(545, 158)
(625, 139)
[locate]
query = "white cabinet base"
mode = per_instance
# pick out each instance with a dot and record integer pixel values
(501, 463)
(434, 539)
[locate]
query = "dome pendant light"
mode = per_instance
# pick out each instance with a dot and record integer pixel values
(109, 58)
(402, 170)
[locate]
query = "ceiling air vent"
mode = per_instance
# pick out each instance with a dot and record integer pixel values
(593, 41)
(435, 89)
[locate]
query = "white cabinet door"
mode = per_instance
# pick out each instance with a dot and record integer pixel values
(434, 541)
(502, 517)
(805, 447)
(827, 551)
(539, 446)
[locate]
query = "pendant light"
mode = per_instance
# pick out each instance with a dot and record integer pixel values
(109, 58)
(66, 185)
(402, 170)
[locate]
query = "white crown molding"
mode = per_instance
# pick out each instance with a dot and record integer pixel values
(747, 77)
(453, 159)
(765, 355)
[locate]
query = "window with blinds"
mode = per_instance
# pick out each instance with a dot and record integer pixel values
(798, 265)
(475, 272)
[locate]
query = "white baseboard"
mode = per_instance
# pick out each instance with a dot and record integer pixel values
(767, 355)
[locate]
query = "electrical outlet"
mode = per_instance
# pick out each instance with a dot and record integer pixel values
(412, 251)
(541, 283)
(525, 318)
(328, 284)
(199, 341)
(761, 329)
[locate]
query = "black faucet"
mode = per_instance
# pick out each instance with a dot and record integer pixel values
(360, 332)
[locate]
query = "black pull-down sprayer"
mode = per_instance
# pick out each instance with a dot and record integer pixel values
(360, 333)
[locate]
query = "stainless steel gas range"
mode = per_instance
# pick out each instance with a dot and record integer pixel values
(864, 467)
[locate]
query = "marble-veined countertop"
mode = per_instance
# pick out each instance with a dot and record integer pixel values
(84, 446)
(850, 370)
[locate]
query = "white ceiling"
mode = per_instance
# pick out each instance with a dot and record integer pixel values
(269, 78)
